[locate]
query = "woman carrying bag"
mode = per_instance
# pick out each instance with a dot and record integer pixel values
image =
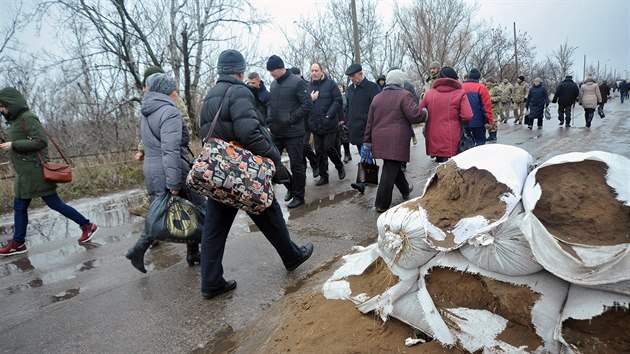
(28, 143)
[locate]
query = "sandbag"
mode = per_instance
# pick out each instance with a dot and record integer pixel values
(574, 261)
(503, 250)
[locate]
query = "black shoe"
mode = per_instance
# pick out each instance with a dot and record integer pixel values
(439, 159)
(342, 172)
(347, 158)
(136, 253)
(567, 125)
(358, 186)
(229, 286)
(307, 251)
(315, 172)
(322, 181)
(380, 210)
(403, 167)
(192, 254)
(296, 202)
(406, 196)
(530, 126)
(561, 123)
(289, 196)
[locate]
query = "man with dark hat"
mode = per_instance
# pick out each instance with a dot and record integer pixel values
(361, 91)
(309, 154)
(481, 106)
(519, 95)
(240, 122)
(289, 106)
(566, 95)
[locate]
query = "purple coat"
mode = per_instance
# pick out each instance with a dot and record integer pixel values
(388, 128)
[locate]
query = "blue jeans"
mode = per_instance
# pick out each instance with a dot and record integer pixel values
(20, 214)
(219, 219)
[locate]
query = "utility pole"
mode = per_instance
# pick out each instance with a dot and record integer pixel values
(355, 33)
(584, 69)
(515, 51)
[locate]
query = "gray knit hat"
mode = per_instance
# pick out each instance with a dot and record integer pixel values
(231, 61)
(162, 83)
(396, 77)
(435, 64)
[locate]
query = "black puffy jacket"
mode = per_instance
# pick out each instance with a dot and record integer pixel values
(566, 93)
(324, 115)
(239, 120)
(289, 106)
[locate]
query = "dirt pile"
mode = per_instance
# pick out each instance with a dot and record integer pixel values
(606, 333)
(577, 205)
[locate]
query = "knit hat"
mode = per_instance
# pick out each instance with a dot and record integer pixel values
(295, 71)
(153, 69)
(522, 78)
(231, 61)
(435, 64)
(274, 62)
(354, 68)
(162, 83)
(395, 77)
(449, 72)
(589, 76)
(569, 77)
(474, 74)
(537, 80)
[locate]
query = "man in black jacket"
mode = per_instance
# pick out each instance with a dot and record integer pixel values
(323, 121)
(289, 106)
(566, 95)
(361, 91)
(239, 121)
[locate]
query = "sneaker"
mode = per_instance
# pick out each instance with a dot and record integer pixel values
(88, 232)
(13, 248)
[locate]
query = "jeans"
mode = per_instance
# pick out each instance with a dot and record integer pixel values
(20, 214)
(218, 221)
(391, 174)
(325, 148)
(295, 149)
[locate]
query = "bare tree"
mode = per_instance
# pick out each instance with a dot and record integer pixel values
(564, 58)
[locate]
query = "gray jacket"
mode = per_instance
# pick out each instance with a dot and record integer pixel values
(165, 138)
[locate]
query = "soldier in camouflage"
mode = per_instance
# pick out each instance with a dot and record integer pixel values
(519, 96)
(495, 99)
(506, 99)
(434, 73)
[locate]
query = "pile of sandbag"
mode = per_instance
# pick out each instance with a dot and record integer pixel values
(478, 268)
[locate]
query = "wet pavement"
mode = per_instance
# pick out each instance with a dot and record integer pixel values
(67, 297)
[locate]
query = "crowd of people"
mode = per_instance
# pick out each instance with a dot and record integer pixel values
(295, 115)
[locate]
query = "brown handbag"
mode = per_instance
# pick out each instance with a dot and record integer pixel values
(54, 172)
(367, 172)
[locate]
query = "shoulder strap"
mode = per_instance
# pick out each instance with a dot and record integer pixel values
(50, 138)
(216, 116)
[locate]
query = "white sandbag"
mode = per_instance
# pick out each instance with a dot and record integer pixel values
(586, 304)
(476, 329)
(586, 265)
(509, 165)
(401, 237)
(503, 250)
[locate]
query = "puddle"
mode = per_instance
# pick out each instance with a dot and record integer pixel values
(164, 256)
(68, 294)
(223, 342)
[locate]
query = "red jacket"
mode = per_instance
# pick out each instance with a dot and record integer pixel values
(448, 109)
(480, 103)
(388, 128)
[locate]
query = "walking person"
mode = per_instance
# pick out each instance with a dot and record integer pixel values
(342, 132)
(361, 92)
(623, 89)
(506, 89)
(239, 122)
(481, 106)
(165, 137)
(566, 95)
(590, 97)
(323, 122)
(387, 134)
(28, 142)
(309, 154)
(289, 107)
(448, 108)
(495, 97)
(604, 91)
(519, 94)
(537, 102)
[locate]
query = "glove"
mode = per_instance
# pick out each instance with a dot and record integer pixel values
(282, 175)
(426, 114)
(487, 126)
(366, 152)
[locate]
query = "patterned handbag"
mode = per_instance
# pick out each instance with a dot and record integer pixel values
(232, 175)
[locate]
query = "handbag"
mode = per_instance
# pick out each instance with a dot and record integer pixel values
(175, 219)
(232, 175)
(367, 172)
(547, 114)
(600, 112)
(54, 172)
(466, 141)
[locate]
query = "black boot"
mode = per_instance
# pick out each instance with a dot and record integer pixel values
(192, 254)
(136, 253)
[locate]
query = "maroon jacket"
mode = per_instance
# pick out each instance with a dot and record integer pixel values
(449, 108)
(388, 128)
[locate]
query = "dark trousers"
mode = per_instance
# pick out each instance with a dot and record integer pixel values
(309, 154)
(20, 214)
(218, 221)
(589, 113)
(295, 149)
(325, 149)
(539, 121)
(564, 114)
(391, 174)
(478, 134)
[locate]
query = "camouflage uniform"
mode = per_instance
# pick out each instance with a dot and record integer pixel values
(519, 94)
(506, 100)
(495, 98)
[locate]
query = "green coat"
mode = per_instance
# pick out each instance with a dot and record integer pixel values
(27, 138)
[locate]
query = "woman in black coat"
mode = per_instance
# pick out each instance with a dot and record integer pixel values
(537, 101)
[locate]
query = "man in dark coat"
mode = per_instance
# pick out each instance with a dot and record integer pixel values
(604, 89)
(257, 86)
(240, 122)
(623, 89)
(309, 154)
(289, 106)
(361, 91)
(537, 101)
(566, 95)
(323, 121)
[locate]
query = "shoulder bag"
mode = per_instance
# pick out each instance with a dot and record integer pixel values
(54, 172)
(231, 174)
